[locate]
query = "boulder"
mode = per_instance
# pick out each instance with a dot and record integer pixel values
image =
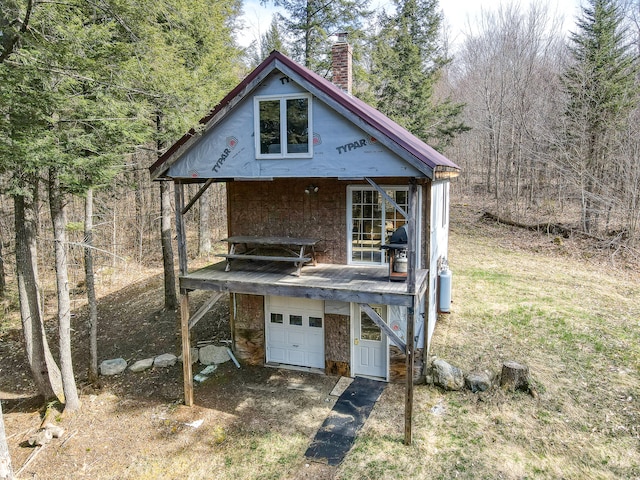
(447, 376)
(142, 365)
(113, 366)
(194, 356)
(56, 430)
(478, 381)
(41, 438)
(211, 354)
(165, 360)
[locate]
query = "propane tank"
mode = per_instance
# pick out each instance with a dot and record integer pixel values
(445, 291)
(400, 262)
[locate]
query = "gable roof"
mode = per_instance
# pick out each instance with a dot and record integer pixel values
(409, 147)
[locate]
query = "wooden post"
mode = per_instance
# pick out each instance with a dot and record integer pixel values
(186, 349)
(412, 264)
(184, 298)
(180, 229)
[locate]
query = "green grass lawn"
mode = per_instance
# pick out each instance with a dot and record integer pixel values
(574, 322)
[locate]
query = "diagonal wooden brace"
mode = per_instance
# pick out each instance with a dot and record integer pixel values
(371, 313)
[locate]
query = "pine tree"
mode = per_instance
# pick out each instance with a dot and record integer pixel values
(407, 61)
(272, 39)
(602, 89)
(311, 23)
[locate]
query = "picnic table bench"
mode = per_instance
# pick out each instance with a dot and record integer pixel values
(294, 250)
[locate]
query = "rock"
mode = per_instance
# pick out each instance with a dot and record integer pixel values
(40, 438)
(478, 381)
(447, 376)
(165, 360)
(142, 365)
(113, 367)
(194, 356)
(56, 430)
(212, 354)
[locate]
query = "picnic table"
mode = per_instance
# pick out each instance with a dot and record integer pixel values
(287, 249)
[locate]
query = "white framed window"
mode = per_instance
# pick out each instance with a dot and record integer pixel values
(283, 126)
(371, 220)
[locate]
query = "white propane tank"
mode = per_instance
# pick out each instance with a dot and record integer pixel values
(445, 291)
(401, 262)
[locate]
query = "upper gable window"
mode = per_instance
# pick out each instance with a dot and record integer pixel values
(282, 126)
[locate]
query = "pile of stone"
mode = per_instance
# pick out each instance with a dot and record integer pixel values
(206, 355)
(514, 376)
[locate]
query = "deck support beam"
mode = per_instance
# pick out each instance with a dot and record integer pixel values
(386, 196)
(197, 195)
(377, 319)
(412, 264)
(204, 309)
(184, 297)
(186, 349)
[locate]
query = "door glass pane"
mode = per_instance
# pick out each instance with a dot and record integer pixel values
(269, 126)
(366, 216)
(298, 125)
(393, 219)
(295, 320)
(276, 318)
(368, 329)
(315, 322)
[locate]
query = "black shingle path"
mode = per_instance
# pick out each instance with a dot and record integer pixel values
(338, 432)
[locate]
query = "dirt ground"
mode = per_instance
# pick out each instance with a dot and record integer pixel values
(141, 414)
(135, 416)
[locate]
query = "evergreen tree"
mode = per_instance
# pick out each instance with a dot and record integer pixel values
(81, 87)
(272, 39)
(311, 23)
(186, 61)
(407, 60)
(601, 84)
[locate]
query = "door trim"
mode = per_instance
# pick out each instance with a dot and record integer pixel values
(288, 308)
(355, 310)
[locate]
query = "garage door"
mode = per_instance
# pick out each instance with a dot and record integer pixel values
(295, 331)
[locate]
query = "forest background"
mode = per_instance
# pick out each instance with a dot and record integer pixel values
(544, 125)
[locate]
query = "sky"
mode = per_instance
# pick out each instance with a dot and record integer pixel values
(458, 14)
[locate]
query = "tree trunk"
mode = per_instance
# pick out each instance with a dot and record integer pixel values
(140, 223)
(46, 373)
(91, 289)
(3, 285)
(58, 216)
(6, 471)
(204, 232)
(515, 376)
(170, 296)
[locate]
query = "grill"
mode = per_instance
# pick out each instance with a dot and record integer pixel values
(397, 248)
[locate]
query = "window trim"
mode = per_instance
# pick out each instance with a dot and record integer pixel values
(283, 126)
(362, 187)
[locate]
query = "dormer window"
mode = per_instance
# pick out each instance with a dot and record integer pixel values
(283, 126)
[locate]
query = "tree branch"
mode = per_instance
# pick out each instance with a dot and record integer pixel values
(10, 43)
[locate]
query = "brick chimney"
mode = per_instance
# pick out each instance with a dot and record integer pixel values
(341, 60)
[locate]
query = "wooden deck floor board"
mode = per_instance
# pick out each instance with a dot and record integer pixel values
(349, 283)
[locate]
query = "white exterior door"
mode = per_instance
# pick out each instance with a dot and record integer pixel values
(295, 331)
(369, 345)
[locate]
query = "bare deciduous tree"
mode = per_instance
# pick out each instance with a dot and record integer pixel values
(6, 470)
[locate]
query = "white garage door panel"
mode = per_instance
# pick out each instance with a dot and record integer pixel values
(293, 338)
(278, 355)
(296, 339)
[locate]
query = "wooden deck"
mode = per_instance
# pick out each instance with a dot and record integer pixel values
(346, 283)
